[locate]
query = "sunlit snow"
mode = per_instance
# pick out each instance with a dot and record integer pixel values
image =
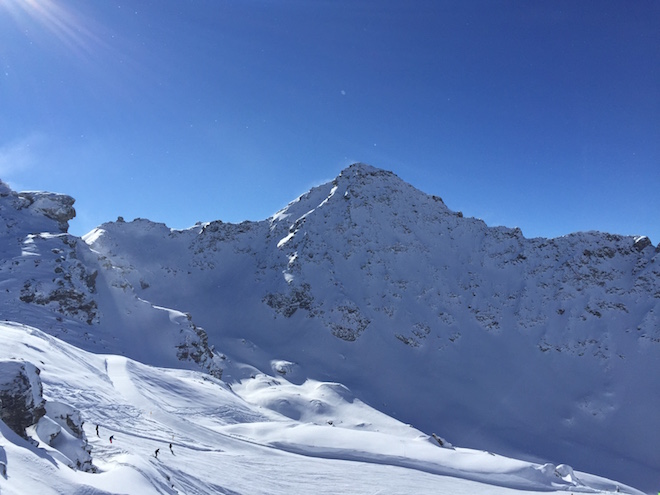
(356, 342)
(264, 436)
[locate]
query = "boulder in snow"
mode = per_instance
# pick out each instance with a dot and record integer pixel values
(62, 429)
(21, 398)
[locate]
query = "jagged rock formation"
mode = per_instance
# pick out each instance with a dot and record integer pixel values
(43, 210)
(194, 346)
(58, 207)
(71, 289)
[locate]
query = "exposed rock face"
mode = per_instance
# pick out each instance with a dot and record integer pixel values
(68, 285)
(288, 304)
(642, 243)
(24, 410)
(21, 401)
(62, 429)
(46, 210)
(58, 207)
(195, 347)
(5, 190)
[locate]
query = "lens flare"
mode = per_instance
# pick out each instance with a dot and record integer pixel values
(48, 17)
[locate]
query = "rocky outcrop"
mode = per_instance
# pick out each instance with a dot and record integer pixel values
(24, 410)
(194, 346)
(287, 304)
(642, 243)
(68, 285)
(62, 429)
(58, 207)
(47, 212)
(21, 402)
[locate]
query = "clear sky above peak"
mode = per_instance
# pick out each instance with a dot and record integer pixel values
(540, 115)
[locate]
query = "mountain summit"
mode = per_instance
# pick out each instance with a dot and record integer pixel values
(536, 348)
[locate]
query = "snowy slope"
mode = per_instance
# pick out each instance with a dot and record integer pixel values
(234, 441)
(51, 279)
(534, 348)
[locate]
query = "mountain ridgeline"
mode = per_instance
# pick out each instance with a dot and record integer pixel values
(539, 348)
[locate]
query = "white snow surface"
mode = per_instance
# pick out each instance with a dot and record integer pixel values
(241, 439)
(324, 348)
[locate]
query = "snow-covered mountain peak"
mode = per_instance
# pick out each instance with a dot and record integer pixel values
(357, 203)
(529, 347)
(359, 181)
(359, 174)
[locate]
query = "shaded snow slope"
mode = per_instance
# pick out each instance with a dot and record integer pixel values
(546, 349)
(212, 439)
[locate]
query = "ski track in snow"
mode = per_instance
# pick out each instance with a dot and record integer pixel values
(208, 460)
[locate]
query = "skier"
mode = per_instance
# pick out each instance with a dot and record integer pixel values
(111, 437)
(171, 449)
(156, 453)
(97, 431)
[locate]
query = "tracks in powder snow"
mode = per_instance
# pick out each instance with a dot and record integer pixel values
(162, 406)
(156, 424)
(160, 427)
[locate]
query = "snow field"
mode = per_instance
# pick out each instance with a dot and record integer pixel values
(242, 440)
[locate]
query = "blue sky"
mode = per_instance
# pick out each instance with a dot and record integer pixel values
(543, 115)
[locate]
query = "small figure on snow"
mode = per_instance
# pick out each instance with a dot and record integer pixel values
(156, 453)
(111, 437)
(171, 449)
(97, 431)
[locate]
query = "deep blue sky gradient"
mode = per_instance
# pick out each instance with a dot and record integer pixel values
(543, 115)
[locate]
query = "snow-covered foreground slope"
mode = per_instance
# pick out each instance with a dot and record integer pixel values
(235, 441)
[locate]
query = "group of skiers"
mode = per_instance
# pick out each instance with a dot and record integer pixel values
(158, 450)
(112, 438)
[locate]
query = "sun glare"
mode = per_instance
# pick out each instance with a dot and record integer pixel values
(63, 23)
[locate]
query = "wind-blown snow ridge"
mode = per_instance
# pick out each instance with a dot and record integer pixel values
(533, 348)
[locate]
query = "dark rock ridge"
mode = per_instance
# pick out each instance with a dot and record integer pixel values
(58, 207)
(71, 285)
